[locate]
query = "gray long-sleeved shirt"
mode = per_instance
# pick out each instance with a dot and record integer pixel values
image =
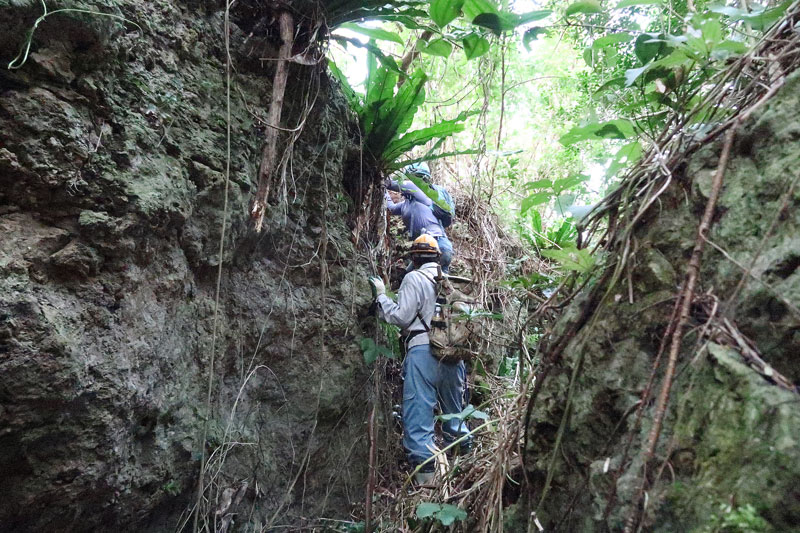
(417, 293)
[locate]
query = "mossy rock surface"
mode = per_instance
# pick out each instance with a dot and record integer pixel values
(729, 455)
(112, 165)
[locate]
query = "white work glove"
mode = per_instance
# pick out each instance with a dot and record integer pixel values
(377, 285)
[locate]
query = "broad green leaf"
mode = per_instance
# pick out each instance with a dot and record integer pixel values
(712, 33)
(539, 184)
(563, 184)
(616, 82)
(584, 6)
(629, 3)
(611, 57)
(430, 192)
(590, 55)
(534, 199)
(475, 46)
(728, 48)
(631, 75)
(450, 513)
(386, 352)
(533, 34)
(696, 45)
(393, 116)
(613, 38)
(763, 19)
(613, 129)
(531, 16)
(444, 12)
(353, 98)
(649, 46)
(571, 258)
(366, 343)
(373, 33)
(491, 21)
(380, 82)
(610, 131)
(625, 157)
(499, 22)
(473, 8)
(674, 59)
(398, 147)
(437, 47)
(624, 126)
(429, 157)
(370, 350)
(470, 411)
(473, 412)
(427, 509)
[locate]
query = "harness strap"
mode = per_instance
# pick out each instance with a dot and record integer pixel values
(411, 335)
(419, 315)
(424, 324)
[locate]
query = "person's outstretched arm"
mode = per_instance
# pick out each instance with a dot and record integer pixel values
(405, 310)
(394, 208)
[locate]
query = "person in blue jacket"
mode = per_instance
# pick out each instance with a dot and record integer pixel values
(417, 213)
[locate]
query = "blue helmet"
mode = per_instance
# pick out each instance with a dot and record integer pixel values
(419, 169)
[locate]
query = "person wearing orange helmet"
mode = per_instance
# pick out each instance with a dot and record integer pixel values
(426, 379)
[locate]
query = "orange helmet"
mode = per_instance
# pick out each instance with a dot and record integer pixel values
(425, 244)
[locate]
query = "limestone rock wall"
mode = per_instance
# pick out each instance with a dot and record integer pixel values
(112, 158)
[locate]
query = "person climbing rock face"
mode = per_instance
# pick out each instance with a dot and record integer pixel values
(425, 377)
(419, 213)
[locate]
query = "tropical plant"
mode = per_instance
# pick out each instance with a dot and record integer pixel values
(640, 75)
(372, 350)
(386, 112)
(444, 513)
(469, 412)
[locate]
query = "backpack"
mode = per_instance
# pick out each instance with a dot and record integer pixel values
(443, 216)
(453, 329)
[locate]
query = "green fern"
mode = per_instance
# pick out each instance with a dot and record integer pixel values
(386, 113)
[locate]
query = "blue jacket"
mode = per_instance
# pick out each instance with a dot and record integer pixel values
(415, 210)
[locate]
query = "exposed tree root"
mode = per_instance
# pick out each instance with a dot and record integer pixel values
(685, 299)
(270, 153)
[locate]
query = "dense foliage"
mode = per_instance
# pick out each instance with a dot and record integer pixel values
(565, 97)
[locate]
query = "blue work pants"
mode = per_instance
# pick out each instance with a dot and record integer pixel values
(446, 247)
(427, 379)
